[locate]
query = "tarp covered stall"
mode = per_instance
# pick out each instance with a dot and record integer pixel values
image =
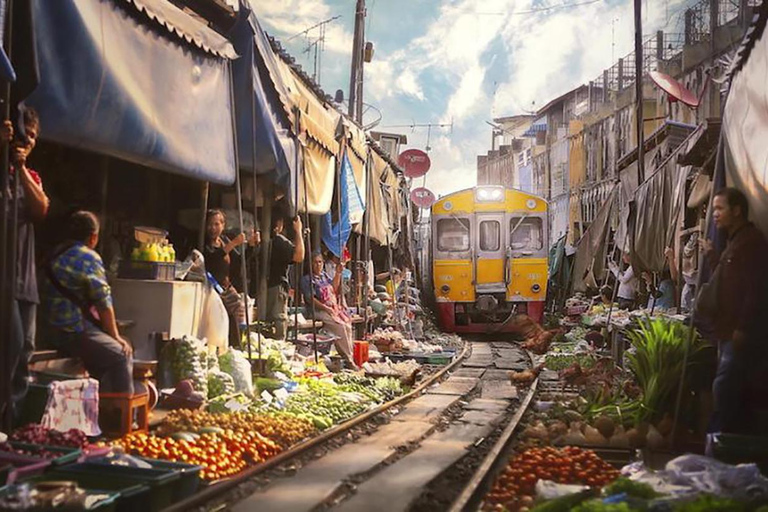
(319, 146)
(376, 210)
(265, 136)
(138, 80)
(358, 152)
(589, 263)
(655, 215)
(658, 203)
(745, 123)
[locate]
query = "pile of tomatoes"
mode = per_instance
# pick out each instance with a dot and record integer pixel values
(516, 486)
(221, 455)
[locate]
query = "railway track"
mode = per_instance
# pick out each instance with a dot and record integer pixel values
(436, 448)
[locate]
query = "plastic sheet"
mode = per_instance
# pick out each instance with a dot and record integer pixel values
(695, 474)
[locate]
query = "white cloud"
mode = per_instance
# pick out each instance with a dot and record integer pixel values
(442, 72)
(468, 93)
(286, 18)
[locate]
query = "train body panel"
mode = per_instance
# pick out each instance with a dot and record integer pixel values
(489, 258)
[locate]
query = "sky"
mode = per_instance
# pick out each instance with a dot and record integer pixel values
(464, 62)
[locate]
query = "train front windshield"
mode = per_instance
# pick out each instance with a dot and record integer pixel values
(453, 235)
(527, 233)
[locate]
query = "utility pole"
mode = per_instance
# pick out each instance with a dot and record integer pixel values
(639, 90)
(356, 74)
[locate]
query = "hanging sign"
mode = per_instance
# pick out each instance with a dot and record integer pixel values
(414, 162)
(422, 197)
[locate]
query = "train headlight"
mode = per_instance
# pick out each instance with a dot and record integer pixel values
(445, 289)
(486, 194)
(536, 288)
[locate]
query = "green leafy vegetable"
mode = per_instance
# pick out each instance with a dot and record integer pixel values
(626, 486)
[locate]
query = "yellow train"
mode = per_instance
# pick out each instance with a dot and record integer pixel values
(489, 258)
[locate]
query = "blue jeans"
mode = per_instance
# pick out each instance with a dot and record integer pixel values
(102, 356)
(24, 319)
(731, 405)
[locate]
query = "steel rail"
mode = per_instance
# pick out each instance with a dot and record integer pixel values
(480, 483)
(217, 489)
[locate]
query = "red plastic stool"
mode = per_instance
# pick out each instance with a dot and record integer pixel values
(125, 405)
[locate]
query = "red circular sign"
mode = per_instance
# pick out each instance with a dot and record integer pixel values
(414, 162)
(422, 197)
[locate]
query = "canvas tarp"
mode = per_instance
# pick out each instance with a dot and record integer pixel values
(377, 221)
(654, 216)
(359, 151)
(319, 146)
(266, 141)
(154, 91)
(589, 263)
(745, 123)
(629, 180)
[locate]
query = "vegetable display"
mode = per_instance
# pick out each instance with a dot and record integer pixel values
(222, 454)
(220, 383)
(284, 429)
(189, 361)
(657, 362)
(515, 487)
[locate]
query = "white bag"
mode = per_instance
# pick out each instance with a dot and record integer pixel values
(214, 323)
(73, 404)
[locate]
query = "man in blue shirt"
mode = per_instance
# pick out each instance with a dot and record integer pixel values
(77, 302)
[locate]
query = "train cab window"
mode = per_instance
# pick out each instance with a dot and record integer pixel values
(453, 235)
(527, 233)
(490, 235)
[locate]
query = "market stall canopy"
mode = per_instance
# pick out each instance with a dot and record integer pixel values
(265, 139)
(319, 147)
(359, 151)
(155, 92)
(589, 262)
(655, 215)
(745, 123)
(378, 221)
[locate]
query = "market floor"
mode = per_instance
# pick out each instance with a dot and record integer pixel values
(388, 470)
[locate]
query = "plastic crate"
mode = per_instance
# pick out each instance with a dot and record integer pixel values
(159, 484)
(22, 466)
(108, 504)
(147, 270)
(189, 474)
(65, 455)
(129, 495)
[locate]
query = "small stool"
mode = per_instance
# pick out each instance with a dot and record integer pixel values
(126, 405)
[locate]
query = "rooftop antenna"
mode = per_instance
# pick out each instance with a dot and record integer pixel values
(316, 44)
(428, 126)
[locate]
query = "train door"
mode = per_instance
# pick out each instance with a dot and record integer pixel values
(489, 253)
(527, 257)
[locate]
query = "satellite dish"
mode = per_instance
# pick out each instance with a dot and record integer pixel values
(675, 90)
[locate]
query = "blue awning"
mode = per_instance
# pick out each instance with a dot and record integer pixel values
(138, 80)
(264, 128)
(538, 126)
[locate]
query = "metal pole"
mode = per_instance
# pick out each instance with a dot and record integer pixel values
(367, 230)
(239, 194)
(204, 191)
(7, 283)
(255, 215)
(297, 268)
(311, 283)
(639, 90)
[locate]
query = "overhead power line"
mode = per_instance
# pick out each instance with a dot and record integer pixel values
(539, 9)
